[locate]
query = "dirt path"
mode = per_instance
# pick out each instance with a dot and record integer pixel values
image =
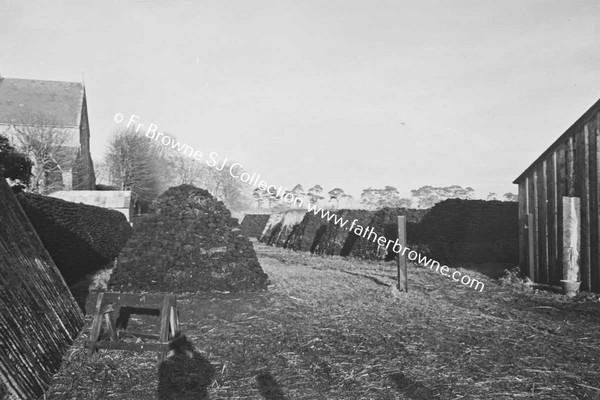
(331, 328)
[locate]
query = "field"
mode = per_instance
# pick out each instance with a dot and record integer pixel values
(335, 328)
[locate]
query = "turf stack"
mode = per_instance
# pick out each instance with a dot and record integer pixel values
(253, 224)
(280, 232)
(385, 223)
(306, 235)
(189, 244)
(470, 231)
(80, 238)
(270, 226)
(339, 240)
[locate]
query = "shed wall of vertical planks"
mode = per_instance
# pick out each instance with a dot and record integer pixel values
(39, 318)
(569, 167)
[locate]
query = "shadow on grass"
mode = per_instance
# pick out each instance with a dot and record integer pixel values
(410, 388)
(268, 387)
(185, 374)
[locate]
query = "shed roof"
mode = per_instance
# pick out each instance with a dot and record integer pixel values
(572, 129)
(22, 97)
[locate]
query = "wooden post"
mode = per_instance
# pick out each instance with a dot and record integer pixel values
(571, 175)
(402, 269)
(571, 238)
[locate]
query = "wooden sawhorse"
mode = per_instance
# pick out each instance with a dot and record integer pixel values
(123, 305)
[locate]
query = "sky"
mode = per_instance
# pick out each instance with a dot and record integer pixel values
(341, 93)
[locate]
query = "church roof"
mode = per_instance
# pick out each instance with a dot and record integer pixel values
(61, 101)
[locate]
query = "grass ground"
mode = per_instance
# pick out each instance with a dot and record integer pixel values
(334, 328)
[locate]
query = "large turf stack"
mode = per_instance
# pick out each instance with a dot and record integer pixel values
(385, 223)
(253, 225)
(279, 233)
(80, 238)
(339, 240)
(306, 235)
(475, 231)
(189, 244)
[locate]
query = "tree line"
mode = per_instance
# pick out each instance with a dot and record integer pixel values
(146, 168)
(370, 198)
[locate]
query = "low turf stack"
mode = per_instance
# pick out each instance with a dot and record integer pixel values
(253, 224)
(80, 238)
(189, 244)
(339, 240)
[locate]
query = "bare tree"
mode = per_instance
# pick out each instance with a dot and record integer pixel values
(137, 164)
(219, 182)
(39, 138)
(186, 170)
(102, 172)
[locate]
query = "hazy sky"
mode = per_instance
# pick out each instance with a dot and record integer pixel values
(350, 93)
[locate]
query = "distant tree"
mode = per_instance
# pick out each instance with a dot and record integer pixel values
(184, 169)
(15, 167)
(336, 195)
(273, 200)
(45, 144)
(102, 172)
(137, 164)
(298, 191)
(259, 197)
(370, 198)
(428, 196)
(404, 203)
(510, 197)
(492, 196)
(386, 197)
(348, 198)
(222, 185)
(314, 194)
(390, 197)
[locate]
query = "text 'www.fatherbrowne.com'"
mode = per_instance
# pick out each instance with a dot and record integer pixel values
(235, 170)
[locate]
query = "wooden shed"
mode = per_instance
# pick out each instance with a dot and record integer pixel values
(567, 169)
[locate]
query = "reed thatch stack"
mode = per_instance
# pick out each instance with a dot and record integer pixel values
(279, 233)
(39, 318)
